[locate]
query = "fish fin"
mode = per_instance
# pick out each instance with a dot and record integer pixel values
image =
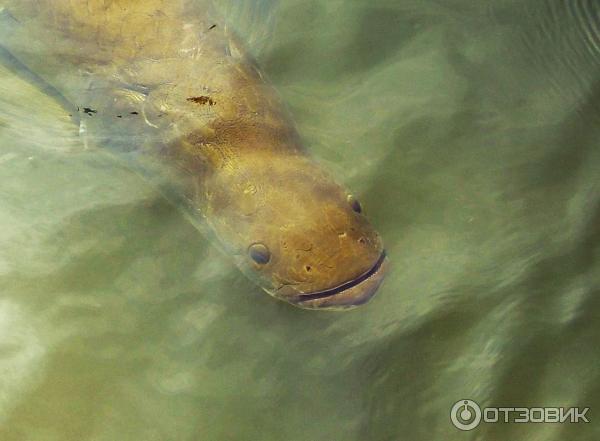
(34, 113)
(8, 23)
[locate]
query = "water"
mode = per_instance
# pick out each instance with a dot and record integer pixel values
(469, 130)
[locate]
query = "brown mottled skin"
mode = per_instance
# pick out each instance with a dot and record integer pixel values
(205, 110)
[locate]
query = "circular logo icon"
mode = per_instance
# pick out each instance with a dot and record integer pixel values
(465, 414)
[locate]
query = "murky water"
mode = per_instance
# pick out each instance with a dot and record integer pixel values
(470, 131)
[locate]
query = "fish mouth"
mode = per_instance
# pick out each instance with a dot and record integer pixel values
(348, 295)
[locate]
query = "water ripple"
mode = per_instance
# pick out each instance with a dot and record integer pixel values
(560, 40)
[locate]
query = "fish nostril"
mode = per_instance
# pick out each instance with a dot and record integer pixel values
(308, 268)
(362, 241)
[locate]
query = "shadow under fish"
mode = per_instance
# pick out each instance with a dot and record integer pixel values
(172, 92)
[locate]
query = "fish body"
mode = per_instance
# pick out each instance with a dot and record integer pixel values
(164, 83)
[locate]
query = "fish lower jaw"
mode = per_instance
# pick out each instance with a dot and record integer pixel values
(346, 296)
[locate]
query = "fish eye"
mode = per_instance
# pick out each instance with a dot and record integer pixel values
(354, 204)
(259, 253)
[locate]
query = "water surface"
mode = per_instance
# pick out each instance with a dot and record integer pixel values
(469, 130)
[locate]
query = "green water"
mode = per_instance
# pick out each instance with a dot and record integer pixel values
(470, 132)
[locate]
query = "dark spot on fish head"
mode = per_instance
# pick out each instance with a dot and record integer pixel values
(89, 111)
(202, 100)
